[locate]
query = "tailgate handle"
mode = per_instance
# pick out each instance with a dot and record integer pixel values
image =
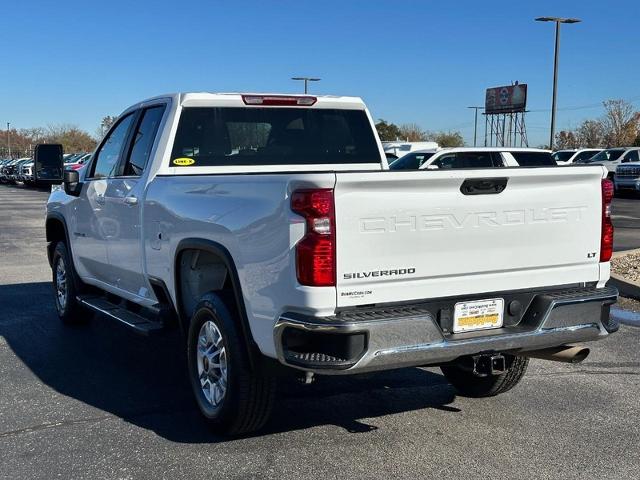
(483, 186)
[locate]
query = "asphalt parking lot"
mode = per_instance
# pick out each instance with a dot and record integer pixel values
(100, 402)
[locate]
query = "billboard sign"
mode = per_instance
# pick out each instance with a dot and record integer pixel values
(507, 99)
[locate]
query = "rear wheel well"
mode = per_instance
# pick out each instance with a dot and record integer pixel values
(203, 266)
(199, 272)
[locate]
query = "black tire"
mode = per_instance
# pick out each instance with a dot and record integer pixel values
(250, 396)
(71, 312)
(469, 385)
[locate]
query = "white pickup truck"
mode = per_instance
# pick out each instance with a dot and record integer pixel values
(270, 231)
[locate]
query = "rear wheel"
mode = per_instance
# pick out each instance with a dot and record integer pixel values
(233, 398)
(66, 287)
(470, 385)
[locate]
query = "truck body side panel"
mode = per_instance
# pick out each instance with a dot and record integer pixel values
(250, 216)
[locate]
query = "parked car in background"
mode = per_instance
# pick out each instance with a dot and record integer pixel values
(475, 157)
(567, 157)
(400, 148)
(411, 161)
(612, 157)
(10, 170)
(627, 178)
(17, 171)
(26, 172)
(78, 162)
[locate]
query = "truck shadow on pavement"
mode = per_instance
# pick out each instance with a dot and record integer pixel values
(143, 380)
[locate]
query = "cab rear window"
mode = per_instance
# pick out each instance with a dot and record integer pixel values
(217, 136)
(534, 159)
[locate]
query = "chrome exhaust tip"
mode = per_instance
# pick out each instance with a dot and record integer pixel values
(563, 353)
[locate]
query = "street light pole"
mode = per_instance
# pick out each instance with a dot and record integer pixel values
(306, 81)
(557, 21)
(8, 140)
(475, 125)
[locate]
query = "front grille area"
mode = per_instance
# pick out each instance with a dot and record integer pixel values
(628, 172)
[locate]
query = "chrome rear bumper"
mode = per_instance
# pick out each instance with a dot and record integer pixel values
(413, 335)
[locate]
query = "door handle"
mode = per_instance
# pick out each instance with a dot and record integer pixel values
(131, 200)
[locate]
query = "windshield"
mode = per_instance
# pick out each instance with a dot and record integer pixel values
(562, 156)
(606, 155)
(410, 161)
(213, 136)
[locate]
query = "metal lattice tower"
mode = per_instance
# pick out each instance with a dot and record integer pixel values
(505, 130)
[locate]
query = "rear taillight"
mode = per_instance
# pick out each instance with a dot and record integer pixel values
(77, 166)
(606, 235)
(316, 251)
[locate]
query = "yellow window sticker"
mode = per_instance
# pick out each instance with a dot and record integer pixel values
(183, 162)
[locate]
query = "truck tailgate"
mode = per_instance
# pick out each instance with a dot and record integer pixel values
(405, 236)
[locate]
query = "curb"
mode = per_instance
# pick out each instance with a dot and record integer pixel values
(625, 252)
(627, 288)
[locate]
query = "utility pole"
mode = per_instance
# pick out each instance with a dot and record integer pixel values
(475, 125)
(306, 81)
(557, 21)
(8, 140)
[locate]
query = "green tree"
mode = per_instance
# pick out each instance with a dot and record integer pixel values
(388, 131)
(105, 125)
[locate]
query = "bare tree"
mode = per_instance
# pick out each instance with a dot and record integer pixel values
(73, 139)
(591, 134)
(566, 139)
(412, 132)
(620, 123)
(446, 139)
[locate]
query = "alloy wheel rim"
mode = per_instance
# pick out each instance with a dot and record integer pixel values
(212, 364)
(61, 284)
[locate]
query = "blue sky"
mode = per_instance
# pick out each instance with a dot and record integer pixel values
(412, 61)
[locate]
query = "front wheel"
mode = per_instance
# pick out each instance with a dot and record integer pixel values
(233, 398)
(470, 385)
(66, 286)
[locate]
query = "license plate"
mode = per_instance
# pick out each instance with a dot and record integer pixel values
(478, 315)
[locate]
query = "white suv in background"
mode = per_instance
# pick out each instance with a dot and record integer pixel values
(612, 157)
(568, 157)
(474, 157)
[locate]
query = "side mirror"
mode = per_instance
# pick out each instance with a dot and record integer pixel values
(433, 166)
(72, 185)
(48, 163)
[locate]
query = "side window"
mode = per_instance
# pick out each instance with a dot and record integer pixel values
(446, 161)
(474, 160)
(632, 156)
(106, 159)
(584, 156)
(468, 160)
(143, 141)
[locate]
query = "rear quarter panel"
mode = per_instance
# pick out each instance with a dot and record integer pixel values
(250, 216)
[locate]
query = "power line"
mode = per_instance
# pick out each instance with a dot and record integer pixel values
(582, 107)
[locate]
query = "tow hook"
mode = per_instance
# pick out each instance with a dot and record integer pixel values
(484, 365)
